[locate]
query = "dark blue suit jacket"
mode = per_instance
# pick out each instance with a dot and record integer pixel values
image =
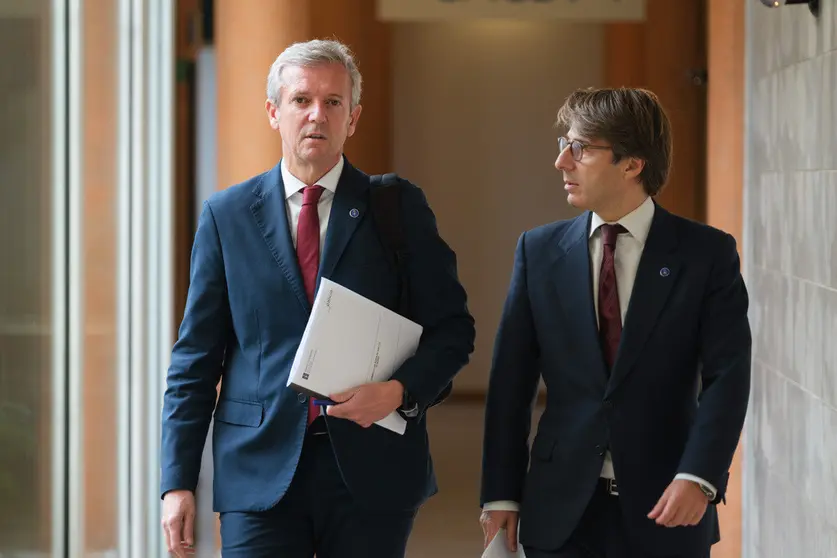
(675, 401)
(244, 318)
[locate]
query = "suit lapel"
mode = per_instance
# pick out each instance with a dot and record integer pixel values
(575, 291)
(272, 218)
(658, 271)
(347, 210)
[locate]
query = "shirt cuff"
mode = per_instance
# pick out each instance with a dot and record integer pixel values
(501, 505)
(693, 478)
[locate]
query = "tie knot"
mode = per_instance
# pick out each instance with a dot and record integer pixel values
(311, 194)
(609, 233)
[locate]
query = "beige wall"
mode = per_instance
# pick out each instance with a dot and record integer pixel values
(474, 106)
(724, 189)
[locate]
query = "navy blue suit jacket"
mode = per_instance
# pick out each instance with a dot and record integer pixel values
(244, 318)
(674, 402)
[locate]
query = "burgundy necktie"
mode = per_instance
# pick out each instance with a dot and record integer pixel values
(610, 316)
(308, 254)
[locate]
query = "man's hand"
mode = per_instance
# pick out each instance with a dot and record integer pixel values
(683, 503)
(493, 521)
(179, 522)
(368, 403)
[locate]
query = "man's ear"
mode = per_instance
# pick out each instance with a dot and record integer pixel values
(354, 116)
(272, 114)
(633, 167)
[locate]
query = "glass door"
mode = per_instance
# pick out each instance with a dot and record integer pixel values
(86, 92)
(33, 295)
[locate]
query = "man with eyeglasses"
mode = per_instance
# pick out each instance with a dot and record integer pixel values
(636, 319)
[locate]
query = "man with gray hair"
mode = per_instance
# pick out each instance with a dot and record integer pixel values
(293, 479)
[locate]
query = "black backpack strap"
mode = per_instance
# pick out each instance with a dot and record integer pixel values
(385, 202)
(385, 199)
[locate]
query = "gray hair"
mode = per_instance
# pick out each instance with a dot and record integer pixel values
(313, 53)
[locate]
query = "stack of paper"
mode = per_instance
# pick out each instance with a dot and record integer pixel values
(498, 548)
(349, 341)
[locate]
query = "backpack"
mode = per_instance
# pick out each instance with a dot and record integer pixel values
(385, 201)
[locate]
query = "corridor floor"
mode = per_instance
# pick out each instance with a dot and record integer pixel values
(448, 525)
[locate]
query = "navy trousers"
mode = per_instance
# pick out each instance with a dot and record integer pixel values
(316, 516)
(601, 534)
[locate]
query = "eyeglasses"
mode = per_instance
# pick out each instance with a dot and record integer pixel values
(576, 147)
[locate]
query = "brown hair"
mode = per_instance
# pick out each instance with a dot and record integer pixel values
(631, 120)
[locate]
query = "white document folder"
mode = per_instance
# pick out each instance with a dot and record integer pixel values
(497, 548)
(349, 341)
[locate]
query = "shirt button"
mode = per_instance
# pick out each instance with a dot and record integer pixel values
(301, 398)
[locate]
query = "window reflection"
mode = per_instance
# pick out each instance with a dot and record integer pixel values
(26, 327)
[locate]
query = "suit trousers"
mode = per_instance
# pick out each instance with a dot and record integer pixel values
(317, 515)
(601, 534)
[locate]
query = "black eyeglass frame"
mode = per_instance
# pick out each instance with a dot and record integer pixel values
(577, 147)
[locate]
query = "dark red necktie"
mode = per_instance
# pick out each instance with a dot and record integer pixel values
(308, 254)
(610, 316)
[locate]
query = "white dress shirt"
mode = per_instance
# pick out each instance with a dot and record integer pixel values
(293, 198)
(628, 252)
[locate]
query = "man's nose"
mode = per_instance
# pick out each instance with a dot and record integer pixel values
(317, 112)
(565, 160)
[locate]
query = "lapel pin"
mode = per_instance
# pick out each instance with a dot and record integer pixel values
(354, 213)
(665, 272)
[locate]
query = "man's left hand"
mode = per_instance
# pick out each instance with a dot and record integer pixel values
(368, 403)
(683, 503)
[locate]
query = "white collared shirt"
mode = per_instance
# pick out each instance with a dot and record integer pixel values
(628, 252)
(293, 198)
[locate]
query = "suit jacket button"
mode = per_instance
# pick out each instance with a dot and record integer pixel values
(600, 450)
(301, 398)
(608, 404)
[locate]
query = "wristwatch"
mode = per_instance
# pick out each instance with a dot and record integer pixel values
(409, 406)
(705, 489)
